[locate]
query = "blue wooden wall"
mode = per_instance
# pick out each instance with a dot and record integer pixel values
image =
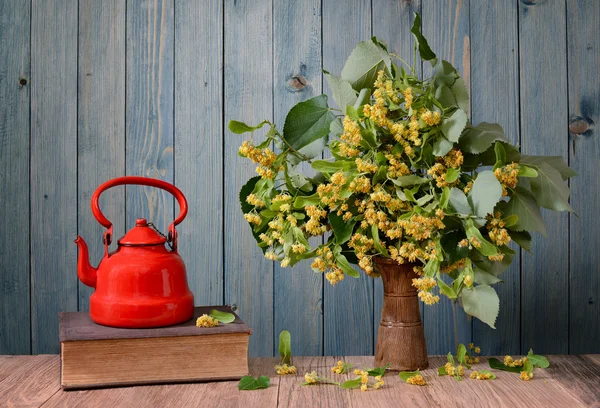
(93, 90)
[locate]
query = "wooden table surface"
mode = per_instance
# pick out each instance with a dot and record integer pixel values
(571, 381)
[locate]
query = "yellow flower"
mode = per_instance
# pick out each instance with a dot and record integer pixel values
(206, 321)
(408, 97)
(526, 377)
(416, 380)
(476, 375)
(363, 387)
(431, 118)
(285, 369)
(510, 362)
(365, 167)
(311, 377)
(477, 350)
(253, 218)
(338, 368)
(424, 283)
(255, 201)
(428, 298)
(507, 176)
(335, 275)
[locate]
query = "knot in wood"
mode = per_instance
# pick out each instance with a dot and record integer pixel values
(579, 125)
(297, 83)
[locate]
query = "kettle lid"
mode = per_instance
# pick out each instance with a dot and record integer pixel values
(142, 234)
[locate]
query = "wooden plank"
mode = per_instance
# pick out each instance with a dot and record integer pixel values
(544, 132)
(577, 376)
(222, 394)
(199, 143)
(248, 97)
(149, 109)
(53, 168)
(32, 383)
(101, 122)
(583, 36)
(495, 98)
(348, 325)
(446, 27)
(297, 77)
(15, 314)
(394, 20)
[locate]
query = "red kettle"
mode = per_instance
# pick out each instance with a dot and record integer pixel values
(141, 284)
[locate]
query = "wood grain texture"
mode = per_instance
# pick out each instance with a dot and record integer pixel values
(583, 45)
(15, 313)
(248, 97)
(392, 23)
(101, 122)
(446, 27)
(32, 382)
(53, 168)
(495, 98)
(348, 307)
(297, 77)
(544, 121)
(149, 109)
(199, 143)
(571, 381)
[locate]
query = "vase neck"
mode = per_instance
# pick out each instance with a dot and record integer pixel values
(397, 279)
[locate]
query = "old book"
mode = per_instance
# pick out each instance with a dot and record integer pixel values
(94, 356)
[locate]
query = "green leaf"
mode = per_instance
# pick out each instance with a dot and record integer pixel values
(537, 360)
(442, 371)
(498, 365)
(411, 180)
(522, 238)
(482, 302)
(343, 94)
(485, 194)
(461, 354)
(486, 247)
(307, 122)
(442, 146)
(510, 221)
(364, 62)
(345, 266)
(378, 371)
(377, 243)
(500, 155)
(342, 230)
(458, 201)
(459, 89)
(336, 127)
(484, 278)
(350, 384)
(526, 171)
(444, 198)
(523, 205)
(222, 317)
(405, 375)
(303, 201)
(452, 174)
(555, 161)
(528, 367)
(240, 127)
(425, 51)
(245, 192)
(445, 96)
(446, 290)
(285, 346)
(450, 359)
(325, 166)
(249, 383)
(550, 190)
(477, 139)
(453, 126)
(363, 97)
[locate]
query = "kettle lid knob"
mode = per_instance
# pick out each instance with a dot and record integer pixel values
(141, 222)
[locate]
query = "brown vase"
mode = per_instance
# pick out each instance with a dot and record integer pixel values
(401, 338)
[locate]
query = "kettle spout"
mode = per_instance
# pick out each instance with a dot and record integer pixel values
(85, 271)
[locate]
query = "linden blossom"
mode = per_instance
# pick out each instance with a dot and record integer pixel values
(408, 180)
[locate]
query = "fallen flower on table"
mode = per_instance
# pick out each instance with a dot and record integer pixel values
(206, 321)
(285, 351)
(412, 377)
(284, 369)
(314, 378)
(451, 368)
(222, 317)
(341, 367)
(524, 366)
(483, 375)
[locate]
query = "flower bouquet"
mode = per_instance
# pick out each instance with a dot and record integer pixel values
(410, 183)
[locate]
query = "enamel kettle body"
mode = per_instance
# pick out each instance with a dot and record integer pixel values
(142, 284)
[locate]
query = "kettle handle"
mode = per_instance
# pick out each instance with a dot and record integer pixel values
(142, 181)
